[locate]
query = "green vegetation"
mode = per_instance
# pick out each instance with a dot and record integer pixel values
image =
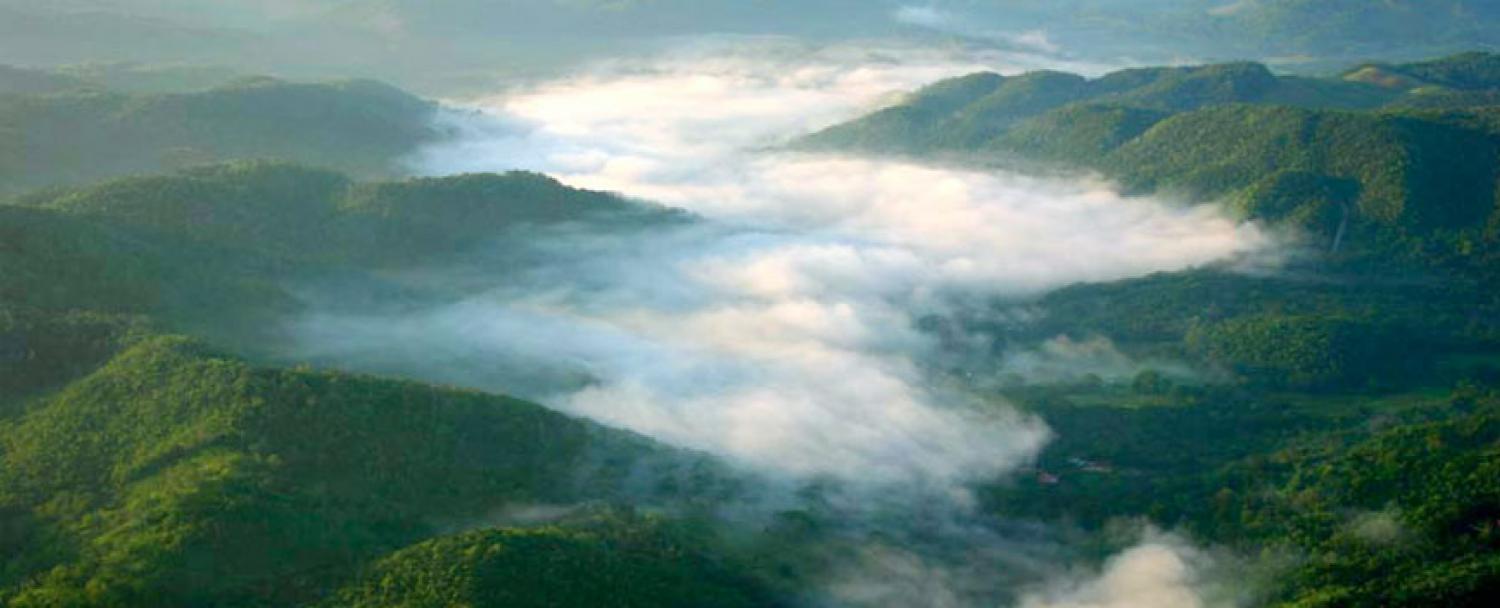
(361, 127)
(147, 469)
(172, 476)
(1392, 162)
(1340, 416)
(614, 559)
(1363, 501)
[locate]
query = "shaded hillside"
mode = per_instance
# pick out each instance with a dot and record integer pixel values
(144, 469)
(359, 126)
(300, 212)
(607, 559)
(215, 250)
(1394, 166)
(969, 112)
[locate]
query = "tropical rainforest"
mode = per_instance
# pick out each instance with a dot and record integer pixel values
(749, 323)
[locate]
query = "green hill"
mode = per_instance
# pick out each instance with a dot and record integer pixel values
(609, 559)
(361, 127)
(211, 251)
(174, 476)
(1393, 166)
(313, 214)
(143, 469)
(972, 111)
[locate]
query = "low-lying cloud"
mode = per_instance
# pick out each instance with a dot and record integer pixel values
(779, 331)
(1161, 572)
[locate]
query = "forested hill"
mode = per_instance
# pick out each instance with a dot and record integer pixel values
(58, 130)
(146, 468)
(1389, 159)
(215, 246)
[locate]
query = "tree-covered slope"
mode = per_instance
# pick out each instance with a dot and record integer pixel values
(174, 476)
(358, 126)
(1393, 167)
(217, 251)
(604, 559)
(143, 469)
(307, 214)
(971, 111)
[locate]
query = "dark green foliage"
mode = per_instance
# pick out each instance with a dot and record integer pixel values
(178, 477)
(49, 260)
(142, 470)
(358, 126)
(295, 212)
(1299, 352)
(609, 559)
(1383, 502)
(1455, 314)
(41, 351)
(281, 209)
(1317, 203)
(398, 221)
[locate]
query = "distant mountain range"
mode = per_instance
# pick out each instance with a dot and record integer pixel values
(439, 44)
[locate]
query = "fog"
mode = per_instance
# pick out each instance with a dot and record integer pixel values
(779, 329)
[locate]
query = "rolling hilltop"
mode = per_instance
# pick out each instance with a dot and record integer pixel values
(69, 131)
(1361, 393)
(1396, 159)
(143, 467)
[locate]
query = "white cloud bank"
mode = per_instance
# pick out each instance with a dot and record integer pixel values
(1162, 572)
(780, 333)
